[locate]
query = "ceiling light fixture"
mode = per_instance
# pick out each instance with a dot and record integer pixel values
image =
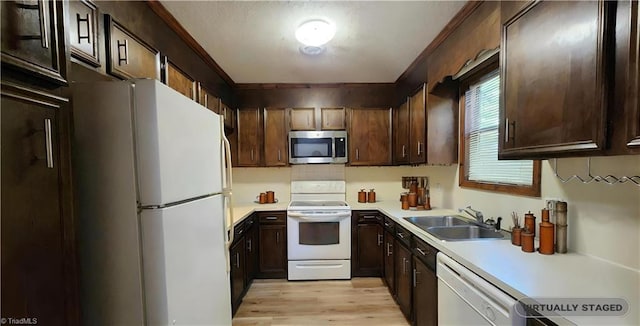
(315, 33)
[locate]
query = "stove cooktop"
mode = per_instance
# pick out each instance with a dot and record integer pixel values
(317, 204)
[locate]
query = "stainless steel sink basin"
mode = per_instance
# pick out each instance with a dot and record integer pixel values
(465, 232)
(425, 222)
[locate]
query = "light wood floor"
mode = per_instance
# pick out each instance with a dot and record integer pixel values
(360, 301)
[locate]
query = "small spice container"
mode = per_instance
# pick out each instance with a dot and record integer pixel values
(527, 241)
(413, 199)
(530, 223)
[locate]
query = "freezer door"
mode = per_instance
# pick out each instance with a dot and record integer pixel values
(185, 277)
(178, 142)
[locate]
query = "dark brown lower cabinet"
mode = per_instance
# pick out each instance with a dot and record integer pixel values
(38, 256)
(273, 251)
(238, 270)
(251, 250)
(425, 295)
(367, 244)
(389, 263)
(403, 275)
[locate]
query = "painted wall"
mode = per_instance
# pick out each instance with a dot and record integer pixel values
(604, 220)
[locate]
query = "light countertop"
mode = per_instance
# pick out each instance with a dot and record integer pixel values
(520, 274)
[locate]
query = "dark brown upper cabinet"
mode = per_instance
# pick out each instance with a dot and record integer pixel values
(633, 87)
(83, 31)
(401, 126)
(332, 119)
(417, 127)
(229, 116)
(554, 79)
(275, 137)
(177, 79)
(369, 136)
(33, 39)
(127, 55)
(442, 125)
(249, 131)
(303, 119)
(206, 99)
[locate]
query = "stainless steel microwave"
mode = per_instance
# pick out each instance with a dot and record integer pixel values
(317, 147)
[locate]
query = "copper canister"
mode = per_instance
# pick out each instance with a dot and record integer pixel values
(526, 241)
(405, 204)
(271, 196)
(362, 196)
(372, 196)
(547, 231)
(530, 223)
(413, 199)
(516, 236)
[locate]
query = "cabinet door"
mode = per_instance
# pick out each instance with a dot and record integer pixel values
(401, 133)
(553, 84)
(273, 251)
(403, 275)
(177, 79)
(206, 99)
(425, 295)
(389, 276)
(83, 31)
(368, 253)
(249, 137)
(229, 114)
(442, 126)
(127, 56)
(303, 119)
(370, 136)
(33, 38)
(275, 137)
(237, 260)
(332, 119)
(36, 280)
(417, 132)
(251, 250)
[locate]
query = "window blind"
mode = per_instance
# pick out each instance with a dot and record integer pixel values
(482, 118)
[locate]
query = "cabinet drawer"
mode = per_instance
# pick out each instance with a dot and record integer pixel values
(367, 216)
(83, 31)
(403, 235)
(424, 252)
(127, 56)
(279, 217)
(238, 230)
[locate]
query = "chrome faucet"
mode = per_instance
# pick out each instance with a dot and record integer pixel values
(476, 214)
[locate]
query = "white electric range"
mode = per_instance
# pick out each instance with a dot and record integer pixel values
(318, 231)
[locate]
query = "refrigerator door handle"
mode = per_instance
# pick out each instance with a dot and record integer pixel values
(227, 220)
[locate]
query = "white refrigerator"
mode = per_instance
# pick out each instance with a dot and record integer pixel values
(152, 174)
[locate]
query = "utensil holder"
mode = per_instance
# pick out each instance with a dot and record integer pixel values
(516, 236)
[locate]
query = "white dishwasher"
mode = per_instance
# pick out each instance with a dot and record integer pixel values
(464, 298)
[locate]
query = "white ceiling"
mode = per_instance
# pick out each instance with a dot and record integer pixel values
(254, 41)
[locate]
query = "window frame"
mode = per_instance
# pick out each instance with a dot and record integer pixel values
(463, 181)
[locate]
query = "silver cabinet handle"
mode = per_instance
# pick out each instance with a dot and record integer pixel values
(369, 217)
(277, 237)
(44, 24)
(401, 235)
(249, 245)
(357, 155)
(379, 239)
(421, 252)
(238, 259)
(279, 156)
(48, 143)
(420, 151)
(415, 277)
(404, 150)
(271, 218)
(388, 251)
(506, 130)
(252, 155)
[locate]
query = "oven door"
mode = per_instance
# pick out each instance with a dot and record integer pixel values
(319, 235)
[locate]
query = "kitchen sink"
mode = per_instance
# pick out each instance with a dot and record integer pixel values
(425, 222)
(465, 232)
(452, 228)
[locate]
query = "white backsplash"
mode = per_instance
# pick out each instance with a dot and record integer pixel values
(604, 220)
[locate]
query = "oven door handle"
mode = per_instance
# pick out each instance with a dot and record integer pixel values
(330, 217)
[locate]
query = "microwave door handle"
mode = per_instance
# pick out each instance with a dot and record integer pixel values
(333, 147)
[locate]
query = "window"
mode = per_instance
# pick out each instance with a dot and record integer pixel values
(479, 164)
